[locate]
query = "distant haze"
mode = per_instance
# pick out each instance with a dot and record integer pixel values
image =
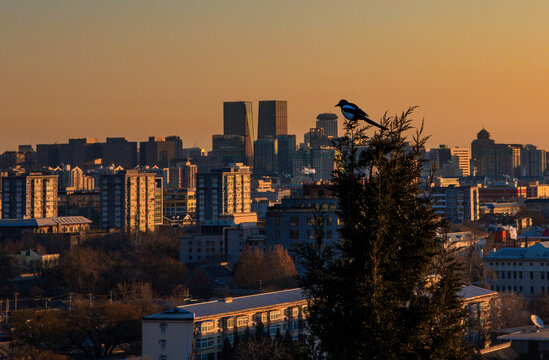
(137, 68)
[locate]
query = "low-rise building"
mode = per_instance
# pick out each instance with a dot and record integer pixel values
(32, 261)
(523, 270)
(14, 228)
(200, 329)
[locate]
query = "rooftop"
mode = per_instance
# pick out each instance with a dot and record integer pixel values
(539, 251)
(245, 303)
(39, 222)
(237, 304)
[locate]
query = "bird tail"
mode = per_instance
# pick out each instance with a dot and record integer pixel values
(371, 122)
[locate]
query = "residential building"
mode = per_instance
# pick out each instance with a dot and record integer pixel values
(238, 120)
(273, 118)
(32, 261)
(179, 202)
(223, 191)
(200, 329)
(129, 201)
(31, 195)
(292, 223)
(328, 122)
(80, 203)
(182, 175)
(533, 162)
(457, 204)
(523, 270)
(462, 158)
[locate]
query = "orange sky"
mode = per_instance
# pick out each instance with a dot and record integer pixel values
(138, 68)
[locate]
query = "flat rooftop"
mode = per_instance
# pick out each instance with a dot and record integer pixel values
(241, 303)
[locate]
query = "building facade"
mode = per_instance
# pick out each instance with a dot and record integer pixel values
(273, 118)
(457, 204)
(523, 270)
(29, 196)
(198, 331)
(328, 122)
(238, 120)
(223, 191)
(129, 201)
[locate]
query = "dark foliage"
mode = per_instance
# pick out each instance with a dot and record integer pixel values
(372, 294)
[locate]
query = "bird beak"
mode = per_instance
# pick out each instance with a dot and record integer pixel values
(336, 105)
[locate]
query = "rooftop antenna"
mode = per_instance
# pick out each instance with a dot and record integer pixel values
(538, 323)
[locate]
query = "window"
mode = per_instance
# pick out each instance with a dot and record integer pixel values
(277, 234)
(329, 234)
(503, 274)
(163, 357)
(310, 221)
(294, 221)
(207, 326)
(277, 220)
(163, 327)
(531, 275)
(542, 274)
(275, 315)
(294, 234)
(328, 220)
(205, 343)
(162, 343)
(514, 274)
(294, 311)
(264, 317)
(531, 289)
(520, 274)
(274, 328)
(242, 321)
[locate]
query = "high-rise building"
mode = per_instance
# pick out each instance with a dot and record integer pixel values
(238, 120)
(462, 157)
(273, 118)
(223, 192)
(228, 149)
(457, 204)
(120, 152)
(286, 154)
(314, 164)
(129, 201)
(182, 175)
(533, 161)
(266, 156)
(491, 159)
(29, 196)
(317, 137)
(160, 151)
(328, 122)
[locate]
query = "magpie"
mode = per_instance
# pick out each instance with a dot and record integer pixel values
(354, 113)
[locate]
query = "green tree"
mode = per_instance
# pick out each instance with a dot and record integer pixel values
(371, 297)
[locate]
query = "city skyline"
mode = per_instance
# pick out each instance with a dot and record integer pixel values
(104, 69)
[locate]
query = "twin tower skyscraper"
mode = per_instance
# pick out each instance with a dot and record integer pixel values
(238, 120)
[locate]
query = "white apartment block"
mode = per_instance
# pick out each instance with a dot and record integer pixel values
(198, 331)
(521, 270)
(462, 156)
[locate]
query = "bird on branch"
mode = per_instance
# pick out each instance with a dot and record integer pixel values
(354, 113)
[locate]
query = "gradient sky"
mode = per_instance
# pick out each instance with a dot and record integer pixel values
(139, 68)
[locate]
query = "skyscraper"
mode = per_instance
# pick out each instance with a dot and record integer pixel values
(266, 156)
(238, 120)
(273, 118)
(328, 122)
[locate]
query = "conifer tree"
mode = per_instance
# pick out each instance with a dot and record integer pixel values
(371, 294)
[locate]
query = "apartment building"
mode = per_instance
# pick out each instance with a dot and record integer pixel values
(200, 329)
(130, 200)
(223, 191)
(457, 204)
(29, 196)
